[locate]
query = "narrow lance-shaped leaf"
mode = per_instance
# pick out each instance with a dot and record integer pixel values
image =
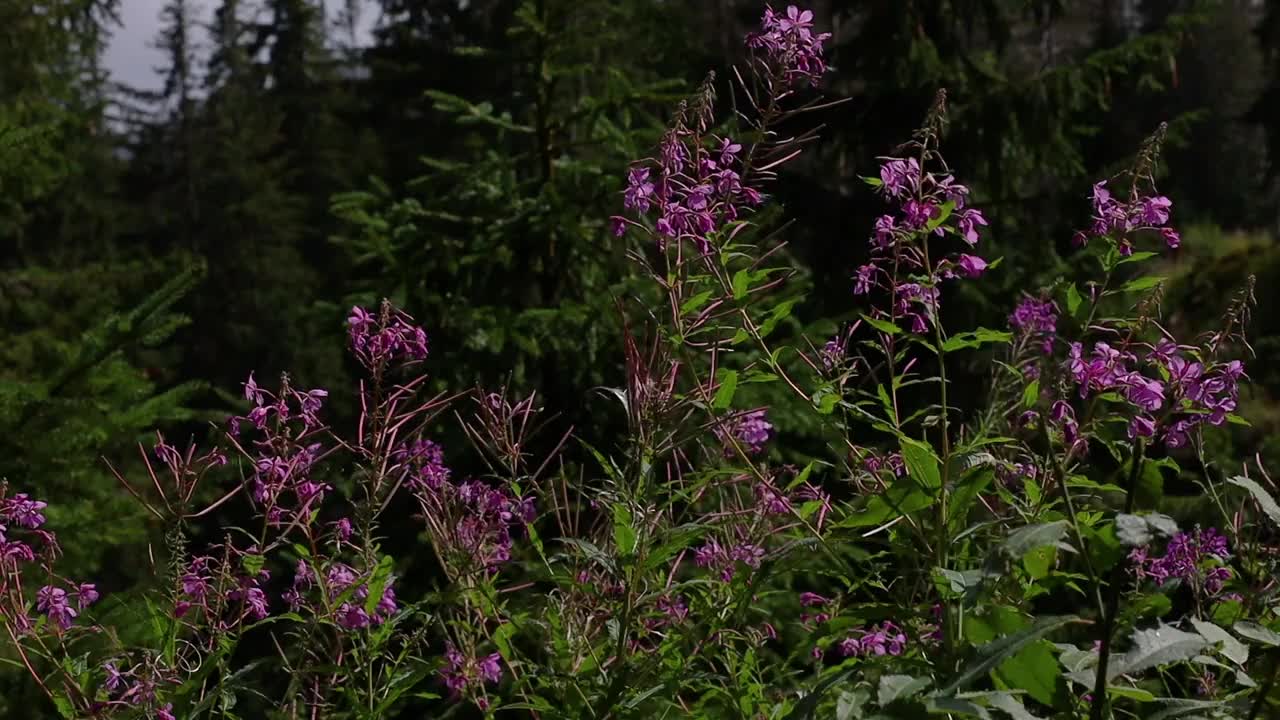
(1260, 494)
(997, 651)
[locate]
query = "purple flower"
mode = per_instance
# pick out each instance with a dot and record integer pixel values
(954, 192)
(1189, 557)
(114, 678)
(709, 554)
(342, 529)
(378, 341)
(165, 713)
(971, 265)
(790, 45)
(808, 599)
(52, 602)
(252, 597)
(920, 213)
(86, 595)
(1034, 315)
(865, 279)
(23, 511)
(728, 151)
(639, 190)
(1144, 392)
(387, 605)
(751, 430)
(1153, 211)
(748, 554)
(674, 608)
(966, 224)
(1141, 426)
(883, 639)
(618, 225)
(885, 228)
(899, 176)
(352, 617)
(771, 500)
(491, 668)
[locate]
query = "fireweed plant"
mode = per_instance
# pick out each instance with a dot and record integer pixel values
(1001, 561)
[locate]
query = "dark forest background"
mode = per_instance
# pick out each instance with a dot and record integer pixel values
(156, 247)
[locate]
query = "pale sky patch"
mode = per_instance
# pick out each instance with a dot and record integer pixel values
(133, 59)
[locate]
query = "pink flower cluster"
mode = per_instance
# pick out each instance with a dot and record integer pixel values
(351, 591)
(224, 592)
(1189, 393)
(471, 522)
(461, 673)
(1112, 218)
(885, 638)
(21, 524)
(724, 559)
(284, 451)
(696, 189)
(1195, 558)
(1036, 320)
(790, 46)
(897, 249)
(751, 430)
(389, 337)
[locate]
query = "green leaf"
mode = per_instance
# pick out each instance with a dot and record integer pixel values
(1177, 707)
(1260, 494)
(378, 583)
(902, 498)
(1039, 562)
(850, 703)
(966, 493)
(1159, 646)
(944, 212)
(624, 533)
(874, 182)
(1140, 530)
(1073, 299)
(965, 582)
(1011, 706)
(883, 326)
(808, 705)
(1034, 670)
(65, 708)
(1232, 649)
(953, 705)
(1137, 257)
(780, 312)
(1031, 395)
(922, 463)
(1131, 693)
(1028, 538)
(252, 563)
(996, 652)
(893, 687)
(1257, 633)
(824, 401)
(728, 386)
(741, 280)
(695, 303)
(1143, 283)
(975, 339)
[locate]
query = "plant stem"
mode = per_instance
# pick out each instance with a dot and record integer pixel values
(1101, 703)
